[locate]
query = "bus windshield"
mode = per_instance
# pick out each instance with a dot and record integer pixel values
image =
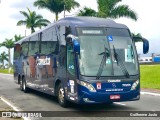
(106, 52)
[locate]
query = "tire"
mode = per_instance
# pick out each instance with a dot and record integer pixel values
(24, 87)
(109, 103)
(61, 96)
(21, 85)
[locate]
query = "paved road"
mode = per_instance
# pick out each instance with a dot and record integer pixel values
(35, 101)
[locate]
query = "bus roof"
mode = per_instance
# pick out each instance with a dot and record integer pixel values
(80, 22)
(90, 22)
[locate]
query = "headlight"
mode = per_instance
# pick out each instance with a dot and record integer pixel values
(87, 85)
(135, 84)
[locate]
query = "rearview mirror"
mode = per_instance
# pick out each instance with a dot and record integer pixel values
(76, 46)
(71, 39)
(145, 43)
(145, 46)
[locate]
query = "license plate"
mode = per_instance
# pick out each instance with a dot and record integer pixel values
(114, 97)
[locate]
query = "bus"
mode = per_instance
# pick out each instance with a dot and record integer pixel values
(85, 60)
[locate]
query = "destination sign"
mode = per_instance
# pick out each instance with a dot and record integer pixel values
(92, 32)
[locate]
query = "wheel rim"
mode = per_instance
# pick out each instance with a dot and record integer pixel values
(61, 95)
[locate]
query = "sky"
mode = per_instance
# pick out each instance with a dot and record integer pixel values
(148, 22)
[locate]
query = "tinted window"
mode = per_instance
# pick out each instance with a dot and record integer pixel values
(70, 60)
(118, 32)
(25, 48)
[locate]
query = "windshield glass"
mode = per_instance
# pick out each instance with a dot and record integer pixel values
(97, 52)
(93, 42)
(120, 43)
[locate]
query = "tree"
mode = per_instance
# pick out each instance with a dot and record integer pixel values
(17, 37)
(87, 12)
(137, 37)
(111, 9)
(32, 20)
(3, 57)
(56, 6)
(8, 43)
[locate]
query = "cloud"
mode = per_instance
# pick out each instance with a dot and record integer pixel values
(17, 16)
(23, 4)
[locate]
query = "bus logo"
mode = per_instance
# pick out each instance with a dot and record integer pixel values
(98, 85)
(113, 85)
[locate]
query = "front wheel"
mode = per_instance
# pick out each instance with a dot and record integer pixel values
(61, 96)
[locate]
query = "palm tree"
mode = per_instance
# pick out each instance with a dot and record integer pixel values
(87, 12)
(32, 20)
(17, 37)
(137, 37)
(111, 9)
(3, 57)
(56, 6)
(8, 43)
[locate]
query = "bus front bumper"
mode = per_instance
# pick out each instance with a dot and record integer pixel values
(107, 97)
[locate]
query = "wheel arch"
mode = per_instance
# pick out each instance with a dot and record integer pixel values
(58, 81)
(19, 78)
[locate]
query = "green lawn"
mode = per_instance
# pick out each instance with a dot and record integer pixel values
(150, 76)
(6, 71)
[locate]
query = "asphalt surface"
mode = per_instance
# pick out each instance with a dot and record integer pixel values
(35, 101)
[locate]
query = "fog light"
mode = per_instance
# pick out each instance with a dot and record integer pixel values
(87, 100)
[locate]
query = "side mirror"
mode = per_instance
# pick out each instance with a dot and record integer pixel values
(145, 46)
(76, 46)
(71, 39)
(145, 43)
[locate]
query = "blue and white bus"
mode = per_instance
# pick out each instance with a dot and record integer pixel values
(85, 60)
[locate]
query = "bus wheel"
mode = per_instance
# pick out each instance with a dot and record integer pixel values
(21, 85)
(24, 88)
(61, 96)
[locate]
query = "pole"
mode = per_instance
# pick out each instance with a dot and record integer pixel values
(64, 10)
(25, 33)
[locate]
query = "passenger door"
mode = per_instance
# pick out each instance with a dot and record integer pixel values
(71, 74)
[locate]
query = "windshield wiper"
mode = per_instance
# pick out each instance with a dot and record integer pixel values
(120, 63)
(103, 62)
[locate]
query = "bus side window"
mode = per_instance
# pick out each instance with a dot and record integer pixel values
(36, 49)
(17, 51)
(31, 48)
(63, 56)
(25, 49)
(44, 49)
(70, 60)
(67, 31)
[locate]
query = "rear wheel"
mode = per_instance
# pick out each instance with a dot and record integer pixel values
(21, 86)
(24, 87)
(61, 96)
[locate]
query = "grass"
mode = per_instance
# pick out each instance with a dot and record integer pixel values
(150, 76)
(6, 71)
